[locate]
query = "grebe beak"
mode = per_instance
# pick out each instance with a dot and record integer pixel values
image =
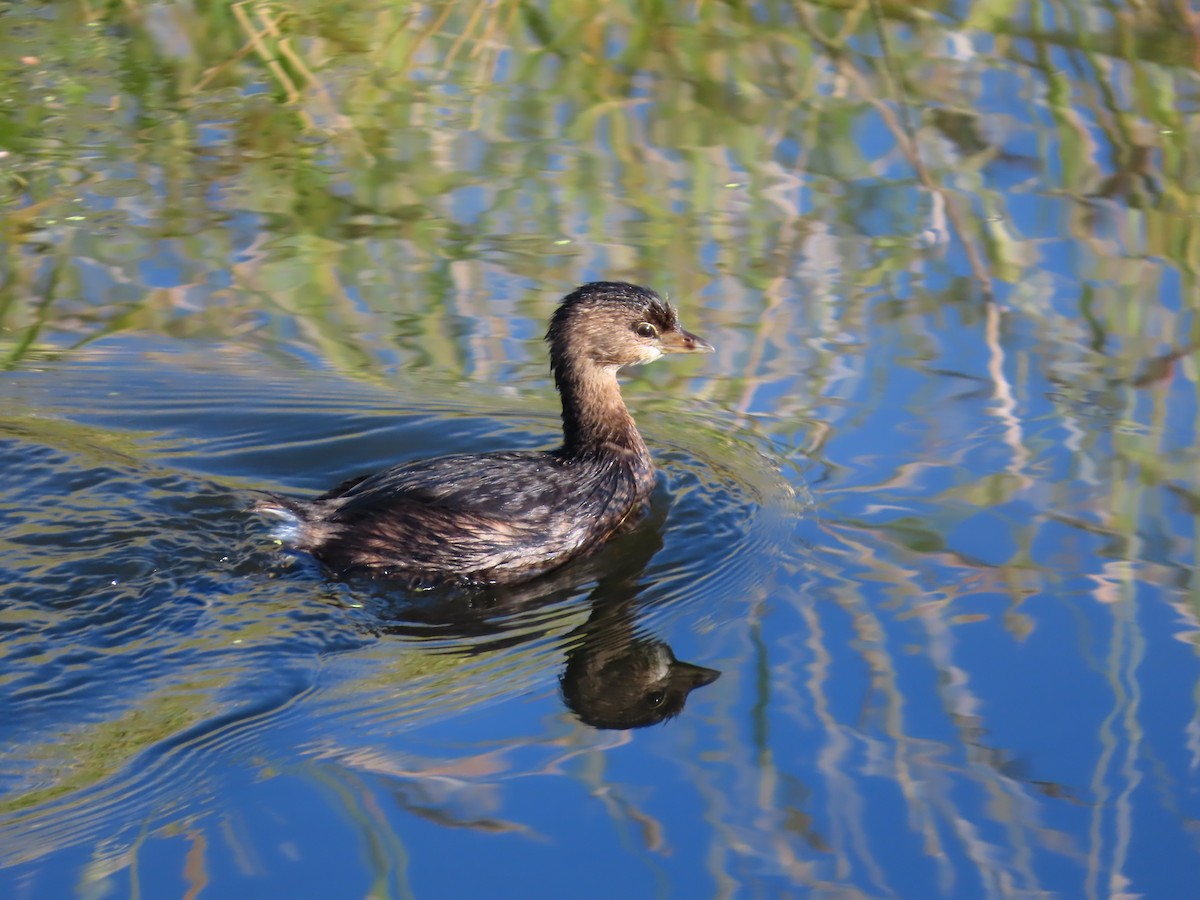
(691, 676)
(685, 342)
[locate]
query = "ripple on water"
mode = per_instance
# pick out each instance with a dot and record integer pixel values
(120, 631)
(720, 519)
(152, 635)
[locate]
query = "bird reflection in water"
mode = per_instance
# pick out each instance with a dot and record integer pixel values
(616, 679)
(616, 675)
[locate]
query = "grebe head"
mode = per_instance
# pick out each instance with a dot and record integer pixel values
(612, 324)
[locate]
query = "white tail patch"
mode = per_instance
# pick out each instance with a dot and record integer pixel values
(287, 529)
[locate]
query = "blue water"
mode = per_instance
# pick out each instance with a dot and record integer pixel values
(930, 509)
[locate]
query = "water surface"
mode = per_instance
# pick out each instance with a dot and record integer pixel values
(930, 510)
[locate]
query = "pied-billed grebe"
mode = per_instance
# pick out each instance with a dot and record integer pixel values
(500, 518)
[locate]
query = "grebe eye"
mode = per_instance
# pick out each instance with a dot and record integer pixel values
(646, 330)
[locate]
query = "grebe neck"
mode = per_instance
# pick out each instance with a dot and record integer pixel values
(595, 419)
